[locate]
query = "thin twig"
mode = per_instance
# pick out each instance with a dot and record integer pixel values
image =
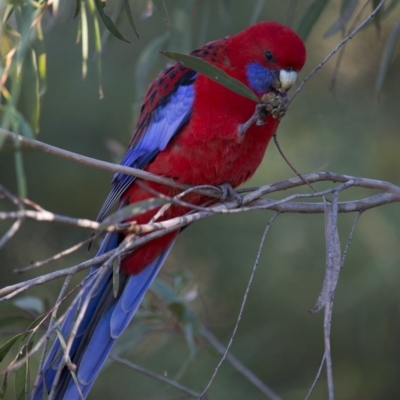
(353, 228)
(53, 258)
(241, 307)
(152, 374)
(257, 382)
(316, 378)
(91, 162)
(335, 50)
(11, 232)
(278, 146)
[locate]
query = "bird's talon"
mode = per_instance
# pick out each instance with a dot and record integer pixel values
(228, 193)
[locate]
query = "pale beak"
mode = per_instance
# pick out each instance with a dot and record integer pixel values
(284, 80)
(287, 79)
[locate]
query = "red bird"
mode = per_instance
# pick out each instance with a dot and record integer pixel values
(188, 130)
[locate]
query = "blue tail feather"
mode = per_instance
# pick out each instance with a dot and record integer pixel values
(105, 320)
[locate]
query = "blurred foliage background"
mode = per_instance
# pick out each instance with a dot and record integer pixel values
(351, 128)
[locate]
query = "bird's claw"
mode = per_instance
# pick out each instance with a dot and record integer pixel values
(228, 193)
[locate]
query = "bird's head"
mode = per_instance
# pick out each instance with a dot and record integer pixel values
(269, 55)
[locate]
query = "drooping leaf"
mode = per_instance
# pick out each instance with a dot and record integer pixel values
(310, 17)
(97, 45)
(108, 21)
(19, 165)
(7, 346)
(377, 17)
(30, 303)
(213, 73)
(85, 40)
(4, 387)
(21, 377)
(347, 10)
(160, 5)
(387, 56)
(129, 15)
(41, 59)
(77, 8)
(31, 90)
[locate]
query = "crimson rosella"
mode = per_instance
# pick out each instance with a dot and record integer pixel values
(188, 130)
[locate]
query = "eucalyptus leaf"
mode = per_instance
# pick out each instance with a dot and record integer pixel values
(21, 377)
(109, 24)
(129, 15)
(77, 7)
(160, 5)
(346, 12)
(30, 303)
(4, 387)
(214, 73)
(310, 17)
(7, 346)
(387, 56)
(377, 17)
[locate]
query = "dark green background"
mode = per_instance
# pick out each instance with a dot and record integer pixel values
(346, 132)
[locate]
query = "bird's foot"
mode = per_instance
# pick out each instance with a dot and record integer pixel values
(273, 103)
(228, 193)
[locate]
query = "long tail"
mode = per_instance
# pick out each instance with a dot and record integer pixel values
(105, 320)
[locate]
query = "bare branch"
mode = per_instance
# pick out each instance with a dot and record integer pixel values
(316, 378)
(238, 365)
(152, 374)
(241, 307)
(91, 162)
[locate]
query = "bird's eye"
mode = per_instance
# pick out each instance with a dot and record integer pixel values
(269, 56)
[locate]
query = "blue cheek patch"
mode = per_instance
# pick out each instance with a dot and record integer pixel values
(260, 78)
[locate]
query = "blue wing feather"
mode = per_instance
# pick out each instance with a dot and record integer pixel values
(162, 123)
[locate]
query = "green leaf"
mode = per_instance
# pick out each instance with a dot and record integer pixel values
(129, 15)
(387, 56)
(310, 17)
(108, 21)
(85, 40)
(377, 17)
(346, 12)
(19, 166)
(21, 377)
(77, 8)
(7, 346)
(4, 387)
(214, 73)
(160, 5)
(31, 90)
(30, 303)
